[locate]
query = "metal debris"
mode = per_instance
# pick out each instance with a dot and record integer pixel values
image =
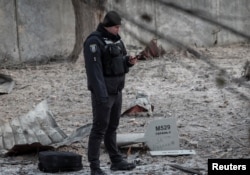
(161, 137)
(130, 139)
(152, 50)
(141, 105)
(77, 135)
(6, 84)
(37, 130)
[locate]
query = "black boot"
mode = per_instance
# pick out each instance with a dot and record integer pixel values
(123, 165)
(97, 171)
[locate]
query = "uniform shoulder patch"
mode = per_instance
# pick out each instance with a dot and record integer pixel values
(93, 48)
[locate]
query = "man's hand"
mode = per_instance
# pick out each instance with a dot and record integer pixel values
(132, 60)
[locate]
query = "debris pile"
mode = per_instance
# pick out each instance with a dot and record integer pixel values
(36, 131)
(141, 106)
(152, 50)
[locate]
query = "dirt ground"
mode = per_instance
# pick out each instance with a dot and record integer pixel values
(207, 97)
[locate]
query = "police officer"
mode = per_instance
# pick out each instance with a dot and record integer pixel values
(106, 64)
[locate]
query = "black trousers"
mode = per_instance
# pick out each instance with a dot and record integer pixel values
(106, 118)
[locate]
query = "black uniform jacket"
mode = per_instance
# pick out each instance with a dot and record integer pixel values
(98, 83)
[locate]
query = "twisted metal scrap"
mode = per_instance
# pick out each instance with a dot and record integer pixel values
(141, 105)
(37, 128)
(36, 131)
(6, 84)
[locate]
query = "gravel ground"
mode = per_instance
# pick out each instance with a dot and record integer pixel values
(206, 97)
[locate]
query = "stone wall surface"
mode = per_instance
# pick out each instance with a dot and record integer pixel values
(44, 29)
(36, 29)
(182, 27)
(8, 31)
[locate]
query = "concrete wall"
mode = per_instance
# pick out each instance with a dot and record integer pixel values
(8, 31)
(185, 28)
(38, 29)
(45, 28)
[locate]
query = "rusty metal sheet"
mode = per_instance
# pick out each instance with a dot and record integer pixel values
(152, 50)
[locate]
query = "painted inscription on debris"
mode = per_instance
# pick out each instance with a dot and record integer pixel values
(162, 134)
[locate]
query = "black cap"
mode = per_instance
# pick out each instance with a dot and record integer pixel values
(112, 18)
